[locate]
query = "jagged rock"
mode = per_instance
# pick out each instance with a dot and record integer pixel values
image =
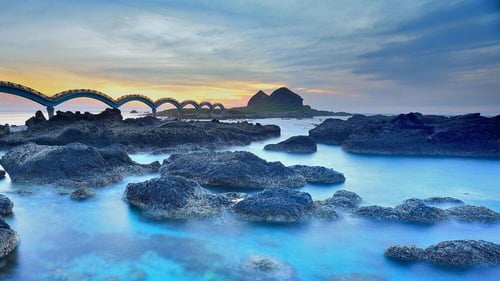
(319, 174)
(296, 144)
(82, 194)
(6, 205)
(344, 199)
(36, 120)
(442, 200)
(259, 99)
(263, 268)
(174, 197)
(457, 253)
(8, 238)
(275, 205)
(231, 169)
(415, 210)
(72, 165)
(474, 214)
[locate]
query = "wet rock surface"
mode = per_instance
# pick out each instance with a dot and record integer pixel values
(264, 268)
(442, 200)
(8, 238)
(72, 165)
(414, 134)
(174, 197)
(344, 199)
(6, 205)
(474, 214)
(319, 174)
(82, 194)
(231, 169)
(296, 144)
(457, 253)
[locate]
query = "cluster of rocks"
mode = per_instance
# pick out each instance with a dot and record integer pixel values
(8, 237)
(296, 144)
(457, 253)
(145, 134)
(414, 134)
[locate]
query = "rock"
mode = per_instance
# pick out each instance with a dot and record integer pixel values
(82, 194)
(174, 197)
(4, 130)
(285, 97)
(324, 211)
(356, 277)
(2, 174)
(234, 196)
(231, 169)
(415, 210)
(377, 212)
(457, 253)
(442, 200)
(259, 99)
(474, 214)
(344, 199)
(6, 205)
(72, 165)
(8, 239)
(280, 205)
(36, 120)
(405, 253)
(318, 174)
(296, 144)
(263, 268)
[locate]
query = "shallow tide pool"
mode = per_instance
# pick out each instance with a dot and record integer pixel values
(103, 239)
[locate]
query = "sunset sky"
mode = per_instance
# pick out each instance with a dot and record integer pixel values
(359, 56)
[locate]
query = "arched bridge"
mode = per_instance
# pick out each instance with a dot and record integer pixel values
(51, 101)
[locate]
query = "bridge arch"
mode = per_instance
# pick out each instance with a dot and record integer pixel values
(206, 104)
(128, 98)
(83, 93)
(25, 92)
(190, 102)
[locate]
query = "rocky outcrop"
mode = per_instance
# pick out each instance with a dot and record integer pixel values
(319, 174)
(296, 144)
(2, 174)
(82, 194)
(285, 97)
(414, 134)
(8, 239)
(442, 200)
(174, 197)
(344, 199)
(264, 268)
(148, 133)
(473, 214)
(259, 99)
(231, 169)
(72, 165)
(6, 206)
(4, 130)
(411, 210)
(457, 253)
(282, 205)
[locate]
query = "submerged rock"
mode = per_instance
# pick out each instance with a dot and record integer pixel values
(319, 174)
(442, 200)
(377, 212)
(344, 199)
(6, 205)
(8, 238)
(475, 214)
(275, 205)
(82, 194)
(174, 197)
(263, 268)
(415, 210)
(457, 253)
(231, 169)
(296, 144)
(73, 165)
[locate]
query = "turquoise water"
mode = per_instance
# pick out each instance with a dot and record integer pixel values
(103, 239)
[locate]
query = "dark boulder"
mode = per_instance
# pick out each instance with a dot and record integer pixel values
(82, 194)
(231, 169)
(72, 165)
(457, 253)
(259, 99)
(296, 144)
(377, 212)
(474, 214)
(174, 197)
(319, 174)
(36, 120)
(442, 200)
(415, 210)
(8, 238)
(344, 199)
(275, 205)
(4, 130)
(6, 205)
(2, 174)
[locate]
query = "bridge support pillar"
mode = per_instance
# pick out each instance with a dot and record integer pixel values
(154, 112)
(50, 111)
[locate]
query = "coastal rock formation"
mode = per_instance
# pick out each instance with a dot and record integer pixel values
(4, 130)
(344, 199)
(148, 133)
(263, 268)
(280, 205)
(442, 200)
(72, 165)
(6, 206)
(2, 174)
(377, 213)
(82, 194)
(282, 97)
(414, 134)
(8, 238)
(174, 197)
(457, 253)
(319, 174)
(259, 99)
(411, 210)
(296, 144)
(231, 169)
(474, 214)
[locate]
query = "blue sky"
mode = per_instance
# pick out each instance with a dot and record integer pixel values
(359, 56)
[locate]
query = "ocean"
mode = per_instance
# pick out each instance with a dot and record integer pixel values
(104, 239)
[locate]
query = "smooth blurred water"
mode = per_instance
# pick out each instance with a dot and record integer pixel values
(103, 239)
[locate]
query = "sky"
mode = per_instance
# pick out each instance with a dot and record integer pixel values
(365, 56)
